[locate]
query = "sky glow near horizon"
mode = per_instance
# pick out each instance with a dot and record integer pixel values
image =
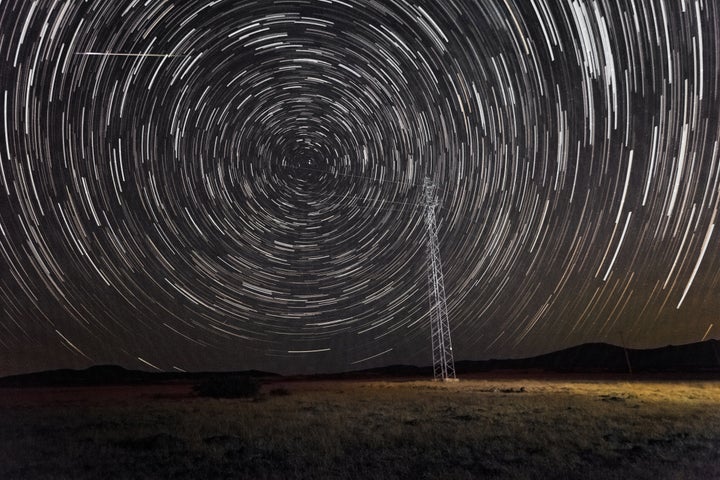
(226, 185)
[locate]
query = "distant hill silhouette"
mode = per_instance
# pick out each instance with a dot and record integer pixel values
(115, 375)
(603, 357)
(587, 358)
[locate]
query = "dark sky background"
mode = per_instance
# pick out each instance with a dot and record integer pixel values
(237, 184)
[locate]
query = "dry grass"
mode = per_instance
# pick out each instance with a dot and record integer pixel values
(518, 428)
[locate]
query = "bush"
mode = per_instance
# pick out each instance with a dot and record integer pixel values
(228, 387)
(280, 392)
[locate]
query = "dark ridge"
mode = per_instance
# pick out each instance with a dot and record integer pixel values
(116, 375)
(701, 357)
(379, 373)
(603, 357)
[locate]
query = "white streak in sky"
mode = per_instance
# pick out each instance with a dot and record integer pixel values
(697, 265)
(371, 357)
(120, 54)
(310, 351)
(149, 364)
(622, 237)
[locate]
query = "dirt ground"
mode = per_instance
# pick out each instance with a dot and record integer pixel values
(491, 426)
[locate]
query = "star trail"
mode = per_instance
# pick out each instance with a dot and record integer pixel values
(238, 184)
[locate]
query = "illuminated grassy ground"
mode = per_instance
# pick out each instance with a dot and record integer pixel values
(515, 428)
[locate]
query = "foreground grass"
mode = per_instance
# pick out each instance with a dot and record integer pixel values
(366, 430)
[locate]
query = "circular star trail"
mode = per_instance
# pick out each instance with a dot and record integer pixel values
(236, 184)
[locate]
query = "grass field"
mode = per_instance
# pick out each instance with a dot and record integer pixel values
(491, 428)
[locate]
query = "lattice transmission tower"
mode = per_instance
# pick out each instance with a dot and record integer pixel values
(442, 352)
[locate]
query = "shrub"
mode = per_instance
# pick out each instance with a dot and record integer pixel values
(229, 387)
(280, 392)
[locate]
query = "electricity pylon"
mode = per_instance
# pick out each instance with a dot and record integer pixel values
(443, 363)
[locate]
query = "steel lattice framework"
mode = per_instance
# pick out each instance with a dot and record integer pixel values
(443, 362)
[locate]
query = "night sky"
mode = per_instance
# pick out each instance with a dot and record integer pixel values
(226, 185)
